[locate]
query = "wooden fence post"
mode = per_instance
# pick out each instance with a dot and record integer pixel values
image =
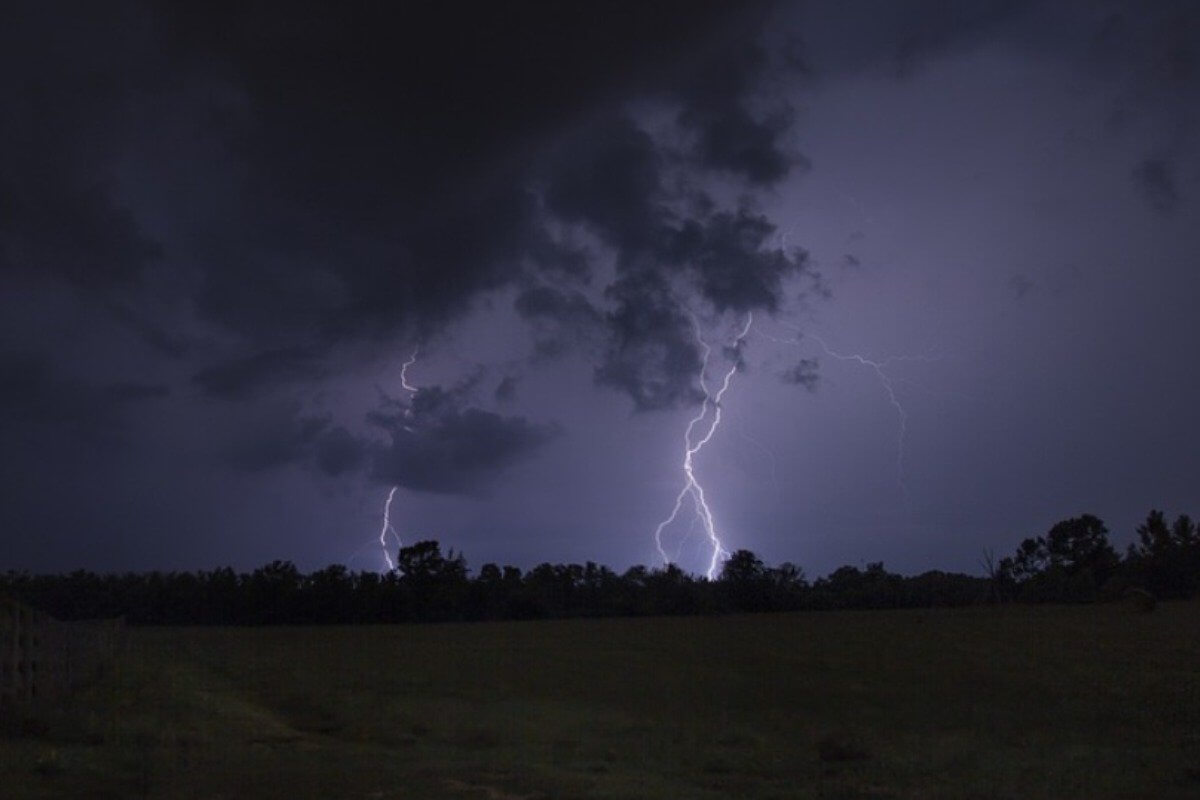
(8, 651)
(42, 658)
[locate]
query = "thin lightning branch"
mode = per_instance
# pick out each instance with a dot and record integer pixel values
(691, 486)
(889, 388)
(769, 453)
(387, 526)
(886, 382)
(687, 445)
(687, 537)
(404, 370)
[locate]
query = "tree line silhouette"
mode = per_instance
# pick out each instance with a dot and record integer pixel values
(1073, 562)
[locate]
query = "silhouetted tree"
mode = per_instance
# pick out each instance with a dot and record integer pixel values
(1071, 563)
(434, 586)
(745, 582)
(1166, 558)
(1079, 544)
(271, 592)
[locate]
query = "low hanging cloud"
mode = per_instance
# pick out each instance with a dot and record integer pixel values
(307, 216)
(804, 373)
(732, 265)
(242, 377)
(652, 354)
(1156, 179)
(506, 389)
(276, 435)
(438, 445)
(561, 319)
(727, 135)
(59, 214)
(437, 442)
(36, 393)
(670, 241)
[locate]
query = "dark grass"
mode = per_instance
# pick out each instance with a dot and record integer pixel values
(1023, 702)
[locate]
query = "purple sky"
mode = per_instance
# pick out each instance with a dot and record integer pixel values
(223, 232)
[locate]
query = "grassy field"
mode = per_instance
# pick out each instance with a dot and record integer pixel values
(1072, 702)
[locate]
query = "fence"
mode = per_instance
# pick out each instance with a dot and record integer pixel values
(42, 658)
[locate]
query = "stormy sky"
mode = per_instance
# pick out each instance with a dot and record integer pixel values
(961, 240)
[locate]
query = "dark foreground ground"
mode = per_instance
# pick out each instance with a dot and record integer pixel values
(1071, 702)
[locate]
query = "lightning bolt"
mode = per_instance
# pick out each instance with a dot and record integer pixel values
(691, 486)
(404, 370)
(387, 527)
(889, 388)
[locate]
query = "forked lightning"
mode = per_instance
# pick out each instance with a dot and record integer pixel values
(692, 486)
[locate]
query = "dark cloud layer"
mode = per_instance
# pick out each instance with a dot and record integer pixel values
(1156, 178)
(439, 444)
(320, 198)
(277, 435)
(242, 377)
(437, 441)
(728, 136)
(653, 356)
(386, 224)
(804, 373)
(34, 392)
(561, 319)
(220, 223)
(668, 237)
(64, 95)
(339, 211)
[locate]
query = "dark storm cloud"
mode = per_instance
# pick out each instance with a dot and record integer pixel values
(35, 392)
(385, 224)
(281, 434)
(75, 231)
(610, 178)
(122, 392)
(929, 27)
(317, 175)
(242, 377)
(506, 390)
(438, 445)
(545, 302)
(277, 435)
(1154, 44)
(172, 344)
(728, 135)
(734, 269)
(338, 452)
(350, 221)
(804, 373)
(897, 38)
(63, 98)
(273, 197)
(652, 355)
(436, 442)
(1156, 178)
(617, 182)
(1021, 285)
(561, 318)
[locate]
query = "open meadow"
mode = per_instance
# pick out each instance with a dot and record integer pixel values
(1013, 702)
